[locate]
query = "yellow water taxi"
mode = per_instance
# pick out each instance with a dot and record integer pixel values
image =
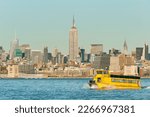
(104, 80)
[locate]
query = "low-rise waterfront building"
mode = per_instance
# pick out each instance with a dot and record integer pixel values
(26, 68)
(13, 70)
(131, 70)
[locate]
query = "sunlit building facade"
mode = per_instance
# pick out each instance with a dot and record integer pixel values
(73, 43)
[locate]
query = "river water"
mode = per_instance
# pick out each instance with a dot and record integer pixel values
(66, 89)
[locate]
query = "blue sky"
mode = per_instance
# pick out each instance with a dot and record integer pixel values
(47, 22)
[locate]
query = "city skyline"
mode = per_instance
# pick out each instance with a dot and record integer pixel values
(103, 22)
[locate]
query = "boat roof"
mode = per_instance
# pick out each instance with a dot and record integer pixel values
(125, 76)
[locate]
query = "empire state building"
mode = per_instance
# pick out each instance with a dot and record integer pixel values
(73, 42)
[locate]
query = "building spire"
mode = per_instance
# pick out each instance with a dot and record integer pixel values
(73, 22)
(125, 48)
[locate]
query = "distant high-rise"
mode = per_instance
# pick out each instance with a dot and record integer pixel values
(101, 61)
(82, 55)
(125, 48)
(55, 52)
(65, 59)
(114, 52)
(96, 49)
(139, 51)
(14, 45)
(149, 56)
(73, 42)
(49, 56)
(59, 58)
(27, 53)
(145, 52)
(36, 56)
(23, 47)
(45, 55)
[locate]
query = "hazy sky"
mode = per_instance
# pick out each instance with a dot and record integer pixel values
(47, 22)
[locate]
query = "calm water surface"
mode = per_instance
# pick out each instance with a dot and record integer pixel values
(65, 89)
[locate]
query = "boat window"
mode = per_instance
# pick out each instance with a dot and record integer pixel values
(99, 72)
(98, 79)
(105, 72)
(133, 81)
(130, 81)
(123, 80)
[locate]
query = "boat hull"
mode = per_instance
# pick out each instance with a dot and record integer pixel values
(115, 82)
(111, 87)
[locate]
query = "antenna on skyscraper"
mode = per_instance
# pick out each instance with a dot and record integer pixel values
(73, 21)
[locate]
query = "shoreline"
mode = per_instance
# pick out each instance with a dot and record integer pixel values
(46, 78)
(43, 76)
(54, 77)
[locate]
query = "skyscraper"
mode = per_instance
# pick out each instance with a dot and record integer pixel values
(82, 55)
(27, 53)
(139, 51)
(55, 52)
(101, 61)
(145, 52)
(73, 42)
(45, 55)
(96, 49)
(36, 56)
(125, 48)
(14, 45)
